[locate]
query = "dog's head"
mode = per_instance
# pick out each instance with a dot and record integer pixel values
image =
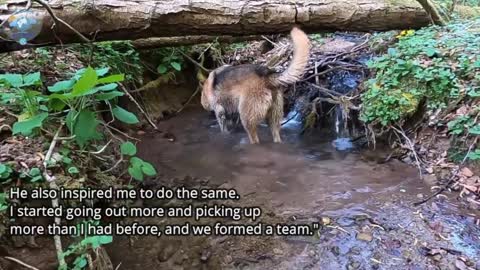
(208, 97)
(207, 92)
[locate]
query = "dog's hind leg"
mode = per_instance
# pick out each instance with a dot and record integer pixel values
(275, 115)
(253, 108)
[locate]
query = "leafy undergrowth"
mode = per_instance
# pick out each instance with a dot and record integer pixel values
(435, 70)
(43, 101)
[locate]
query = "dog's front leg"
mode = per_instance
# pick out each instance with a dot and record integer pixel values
(221, 118)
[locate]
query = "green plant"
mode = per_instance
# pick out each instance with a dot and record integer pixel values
(433, 64)
(138, 168)
(5, 172)
(119, 56)
(82, 248)
(3, 201)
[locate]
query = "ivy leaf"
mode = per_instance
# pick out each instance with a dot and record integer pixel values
(26, 127)
(85, 83)
(128, 148)
(109, 95)
(124, 115)
(176, 66)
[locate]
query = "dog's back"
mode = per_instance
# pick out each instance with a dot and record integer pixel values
(233, 82)
(254, 91)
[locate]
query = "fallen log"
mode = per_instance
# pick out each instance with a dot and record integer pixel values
(134, 19)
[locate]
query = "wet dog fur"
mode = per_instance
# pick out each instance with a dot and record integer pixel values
(255, 92)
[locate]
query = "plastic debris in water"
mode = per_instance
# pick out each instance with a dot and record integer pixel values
(343, 144)
(22, 27)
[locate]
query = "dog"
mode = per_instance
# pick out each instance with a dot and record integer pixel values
(255, 92)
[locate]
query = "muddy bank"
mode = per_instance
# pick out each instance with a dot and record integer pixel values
(365, 207)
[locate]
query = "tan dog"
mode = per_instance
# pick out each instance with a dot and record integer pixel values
(254, 91)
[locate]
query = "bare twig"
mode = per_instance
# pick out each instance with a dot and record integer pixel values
(20, 262)
(55, 202)
(139, 107)
(194, 62)
(56, 20)
(411, 146)
(190, 99)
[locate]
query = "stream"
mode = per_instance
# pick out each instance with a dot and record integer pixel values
(364, 206)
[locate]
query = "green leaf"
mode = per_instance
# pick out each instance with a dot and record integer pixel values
(176, 66)
(136, 161)
(128, 148)
(61, 86)
(67, 160)
(70, 120)
(56, 104)
(36, 178)
(102, 71)
(32, 79)
(3, 168)
(162, 69)
(15, 80)
(109, 95)
(73, 170)
(392, 51)
(148, 169)
(26, 127)
(474, 130)
(124, 115)
(430, 52)
(112, 79)
(107, 87)
(136, 172)
(105, 239)
(34, 172)
(85, 83)
(85, 127)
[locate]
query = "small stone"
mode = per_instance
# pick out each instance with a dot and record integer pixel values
(420, 196)
(277, 251)
(228, 259)
(326, 220)
(141, 132)
(365, 237)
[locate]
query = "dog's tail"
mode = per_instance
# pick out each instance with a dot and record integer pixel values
(301, 50)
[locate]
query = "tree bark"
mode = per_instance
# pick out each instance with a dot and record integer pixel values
(134, 19)
(157, 42)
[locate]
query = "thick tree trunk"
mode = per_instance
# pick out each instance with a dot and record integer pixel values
(134, 19)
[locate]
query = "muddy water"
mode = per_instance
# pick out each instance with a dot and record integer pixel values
(365, 207)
